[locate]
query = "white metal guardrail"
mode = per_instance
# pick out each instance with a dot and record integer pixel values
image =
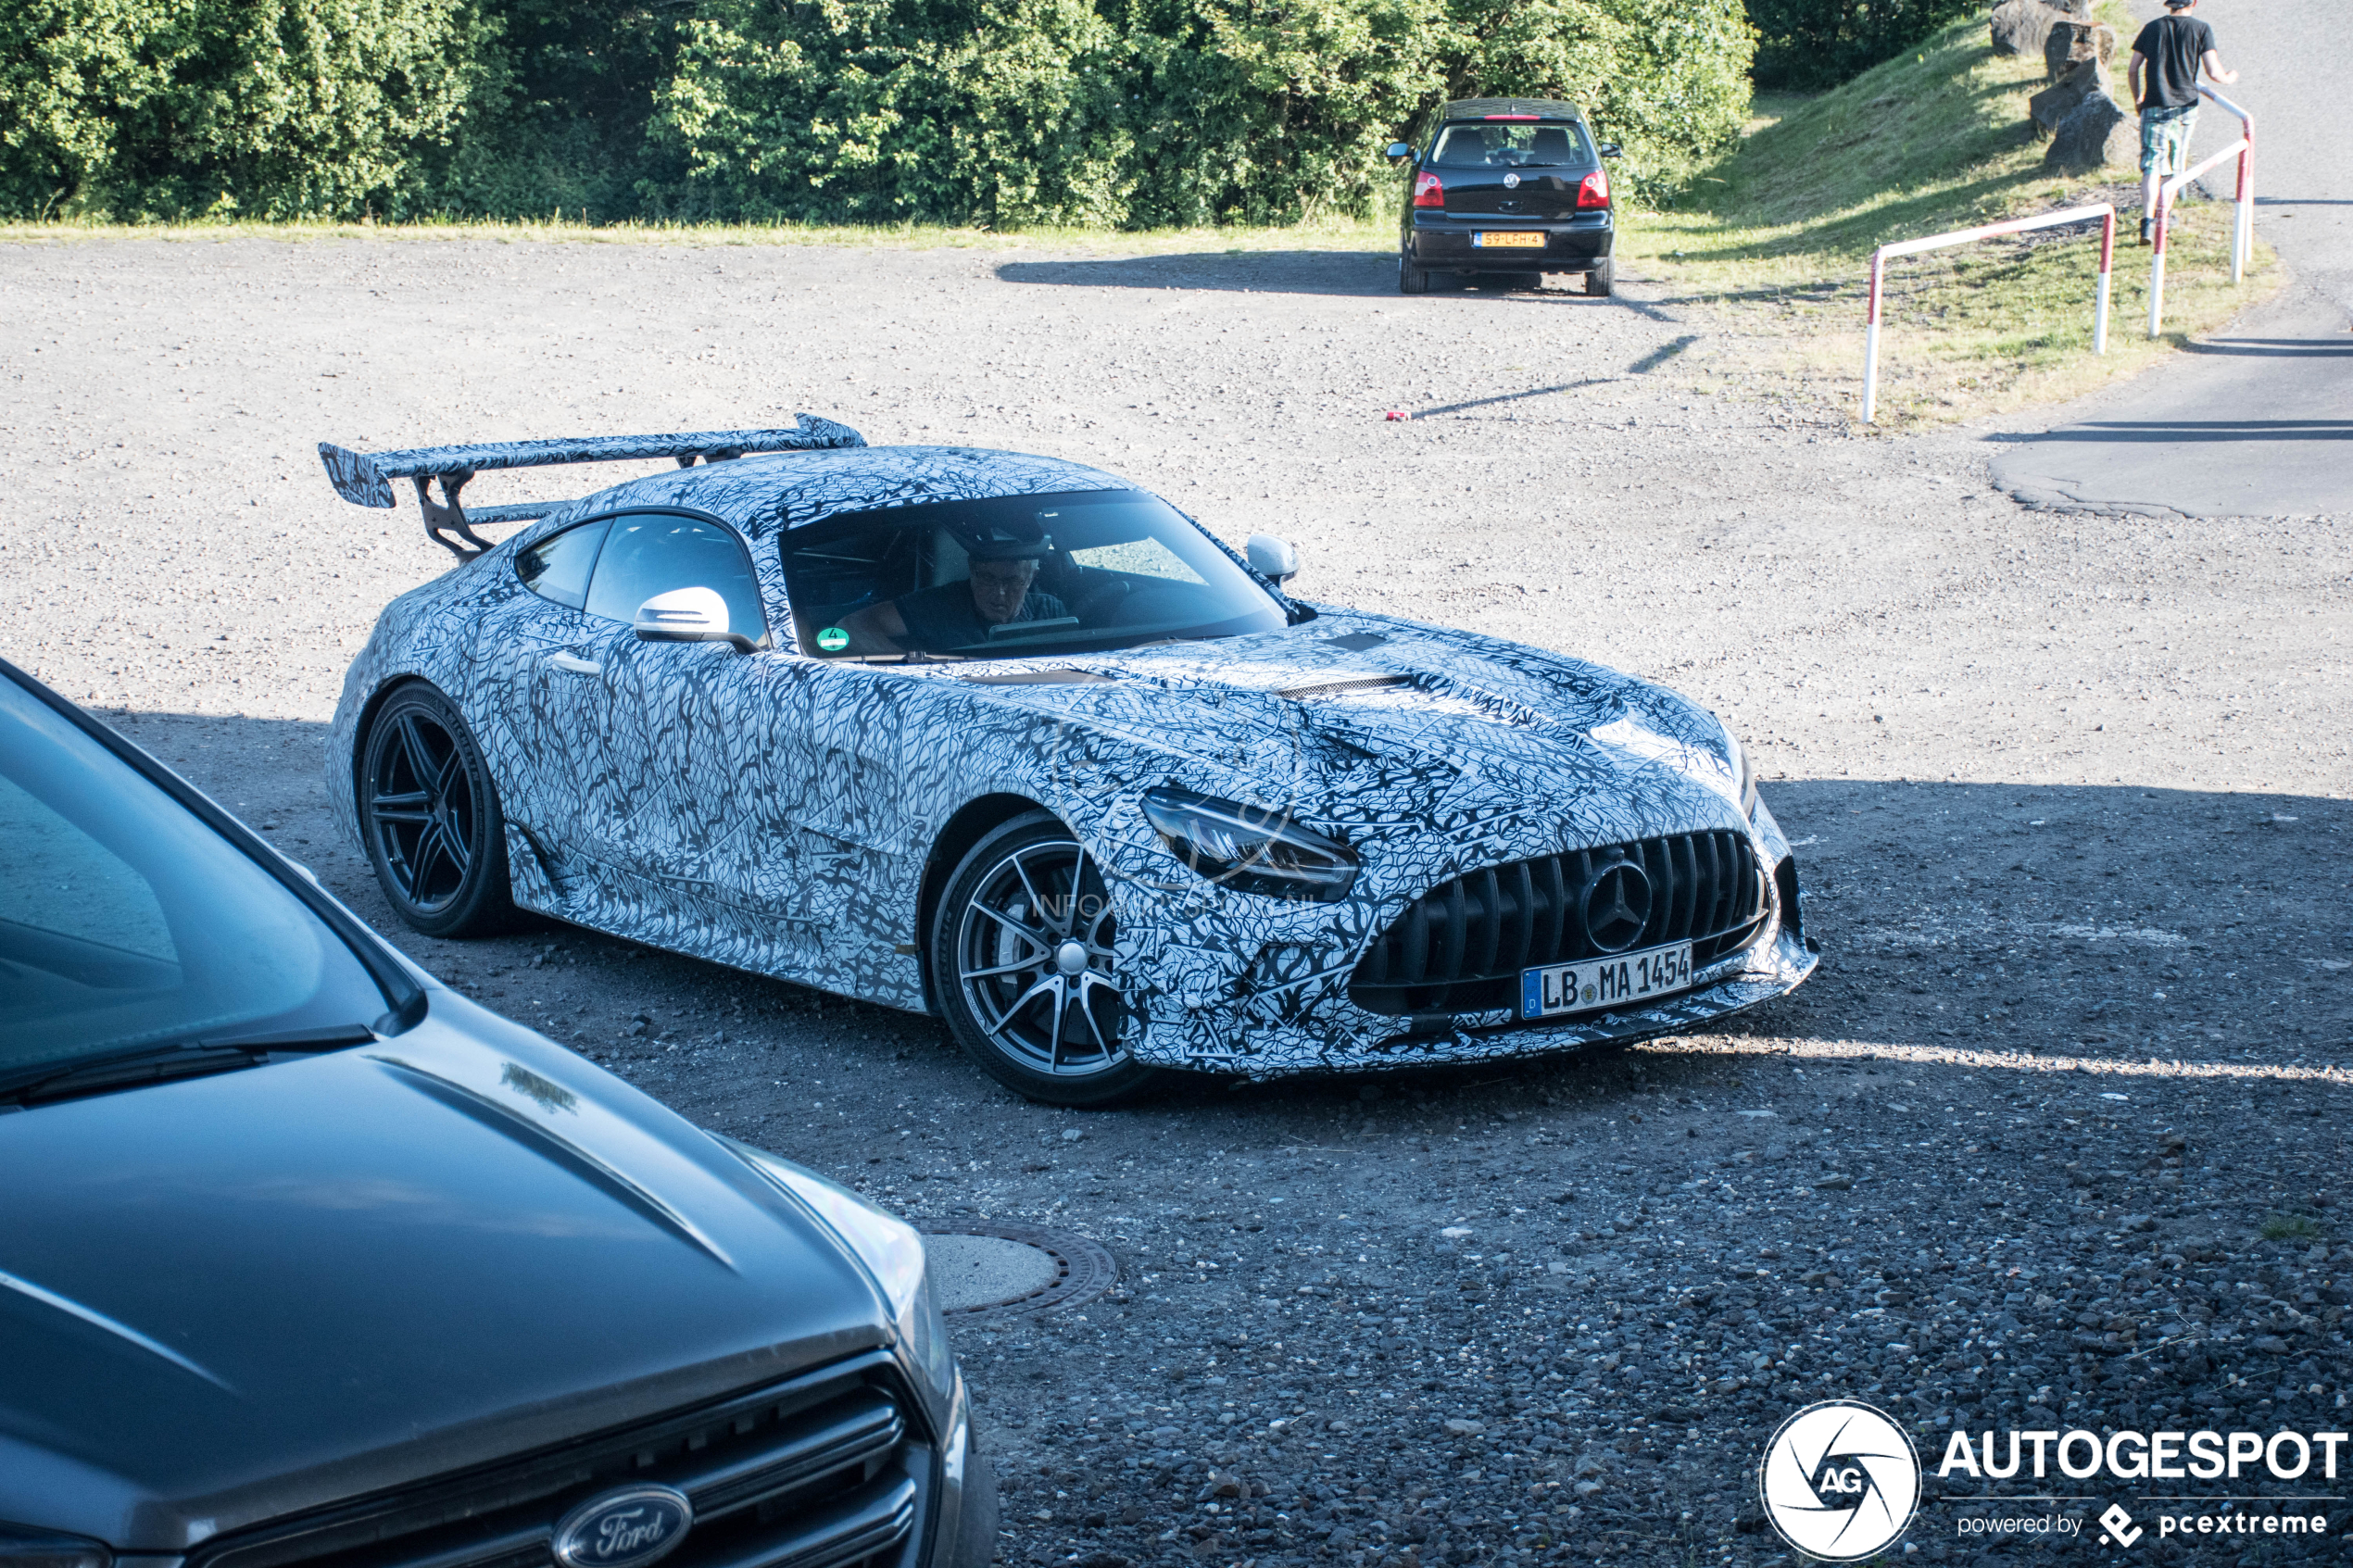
(2104, 211)
(2242, 228)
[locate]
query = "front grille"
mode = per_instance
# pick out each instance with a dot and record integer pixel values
(821, 1471)
(1460, 948)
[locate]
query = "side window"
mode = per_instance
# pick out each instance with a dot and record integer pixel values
(653, 552)
(557, 568)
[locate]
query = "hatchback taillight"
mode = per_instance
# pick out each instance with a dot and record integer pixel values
(1430, 190)
(1595, 191)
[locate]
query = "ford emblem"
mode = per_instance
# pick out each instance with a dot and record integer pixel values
(624, 1529)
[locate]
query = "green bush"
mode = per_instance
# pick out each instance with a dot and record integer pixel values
(1806, 45)
(273, 109)
(1010, 112)
(1003, 113)
(866, 110)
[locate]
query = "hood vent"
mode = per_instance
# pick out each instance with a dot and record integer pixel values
(1039, 678)
(1345, 688)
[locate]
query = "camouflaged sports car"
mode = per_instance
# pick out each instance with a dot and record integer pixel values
(1008, 740)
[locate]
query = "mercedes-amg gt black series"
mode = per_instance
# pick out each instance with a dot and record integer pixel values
(308, 1263)
(1508, 186)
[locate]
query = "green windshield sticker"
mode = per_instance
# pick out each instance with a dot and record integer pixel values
(833, 639)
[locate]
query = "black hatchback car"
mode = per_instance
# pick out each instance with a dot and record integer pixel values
(305, 1260)
(1511, 186)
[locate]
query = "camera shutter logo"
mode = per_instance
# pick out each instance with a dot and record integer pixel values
(1840, 1481)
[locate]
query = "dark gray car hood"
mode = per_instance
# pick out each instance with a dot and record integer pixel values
(235, 1298)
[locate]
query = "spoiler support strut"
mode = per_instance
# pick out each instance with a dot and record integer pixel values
(365, 478)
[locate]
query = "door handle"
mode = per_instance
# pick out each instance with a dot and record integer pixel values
(573, 666)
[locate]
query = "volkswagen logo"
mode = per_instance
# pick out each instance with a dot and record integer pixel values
(1616, 906)
(624, 1529)
(1511, 181)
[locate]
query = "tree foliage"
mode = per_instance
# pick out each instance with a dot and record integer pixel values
(1148, 112)
(264, 107)
(1805, 46)
(996, 112)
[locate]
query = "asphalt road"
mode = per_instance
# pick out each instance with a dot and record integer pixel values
(2054, 1139)
(2258, 419)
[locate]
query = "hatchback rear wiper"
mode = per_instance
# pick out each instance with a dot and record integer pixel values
(176, 1059)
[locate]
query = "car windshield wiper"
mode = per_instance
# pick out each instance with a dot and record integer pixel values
(172, 1058)
(913, 656)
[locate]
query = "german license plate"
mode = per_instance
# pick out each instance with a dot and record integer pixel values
(1510, 239)
(1622, 980)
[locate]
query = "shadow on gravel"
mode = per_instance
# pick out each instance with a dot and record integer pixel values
(2107, 930)
(1367, 274)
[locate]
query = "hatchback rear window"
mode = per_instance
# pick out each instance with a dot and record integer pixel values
(1512, 144)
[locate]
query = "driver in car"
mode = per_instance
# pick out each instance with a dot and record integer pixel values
(955, 615)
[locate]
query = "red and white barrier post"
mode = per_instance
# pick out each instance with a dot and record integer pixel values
(2104, 211)
(2243, 225)
(2242, 230)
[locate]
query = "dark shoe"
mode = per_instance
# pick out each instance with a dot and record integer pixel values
(2148, 230)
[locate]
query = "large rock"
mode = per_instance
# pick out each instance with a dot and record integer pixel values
(2097, 134)
(2051, 106)
(2070, 42)
(2021, 27)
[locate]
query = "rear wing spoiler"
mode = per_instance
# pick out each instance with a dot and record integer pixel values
(365, 478)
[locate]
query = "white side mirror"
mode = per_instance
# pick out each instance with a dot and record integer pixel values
(1273, 558)
(687, 615)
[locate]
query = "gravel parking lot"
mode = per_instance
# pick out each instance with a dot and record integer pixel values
(2055, 1139)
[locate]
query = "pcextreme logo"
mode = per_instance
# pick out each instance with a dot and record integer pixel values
(1840, 1481)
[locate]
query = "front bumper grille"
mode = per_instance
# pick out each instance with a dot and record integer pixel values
(1460, 948)
(824, 1471)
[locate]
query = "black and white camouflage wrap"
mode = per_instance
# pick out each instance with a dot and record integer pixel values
(775, 812)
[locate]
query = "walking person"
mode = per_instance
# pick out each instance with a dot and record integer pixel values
(2169, 53)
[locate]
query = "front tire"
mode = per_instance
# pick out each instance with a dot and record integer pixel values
(1021, 948)
(428, 814)
(1410, 278)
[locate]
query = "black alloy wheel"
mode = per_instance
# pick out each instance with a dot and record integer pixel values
(430, 815)
(1022, 966)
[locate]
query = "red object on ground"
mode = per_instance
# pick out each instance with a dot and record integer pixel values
(1397, 414)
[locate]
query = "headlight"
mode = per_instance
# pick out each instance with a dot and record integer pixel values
(20, 1548)
(892, 1251)
(1746, 767)
(1251, 848)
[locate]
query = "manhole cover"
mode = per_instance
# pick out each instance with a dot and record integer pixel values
(1002, 1270)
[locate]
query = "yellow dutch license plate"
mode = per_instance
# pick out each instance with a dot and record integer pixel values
(1510, 239)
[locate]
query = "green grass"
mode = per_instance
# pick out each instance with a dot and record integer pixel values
(2290, 1227)
(1777, 237)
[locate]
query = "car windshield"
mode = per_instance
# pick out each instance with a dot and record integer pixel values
(1015, 577)
(1511, 145)
(126, 922)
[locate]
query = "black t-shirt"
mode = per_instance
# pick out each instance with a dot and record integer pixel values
(2175, 46)
(945, 617)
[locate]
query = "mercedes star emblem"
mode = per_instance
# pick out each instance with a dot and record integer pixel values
(1616, 906)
